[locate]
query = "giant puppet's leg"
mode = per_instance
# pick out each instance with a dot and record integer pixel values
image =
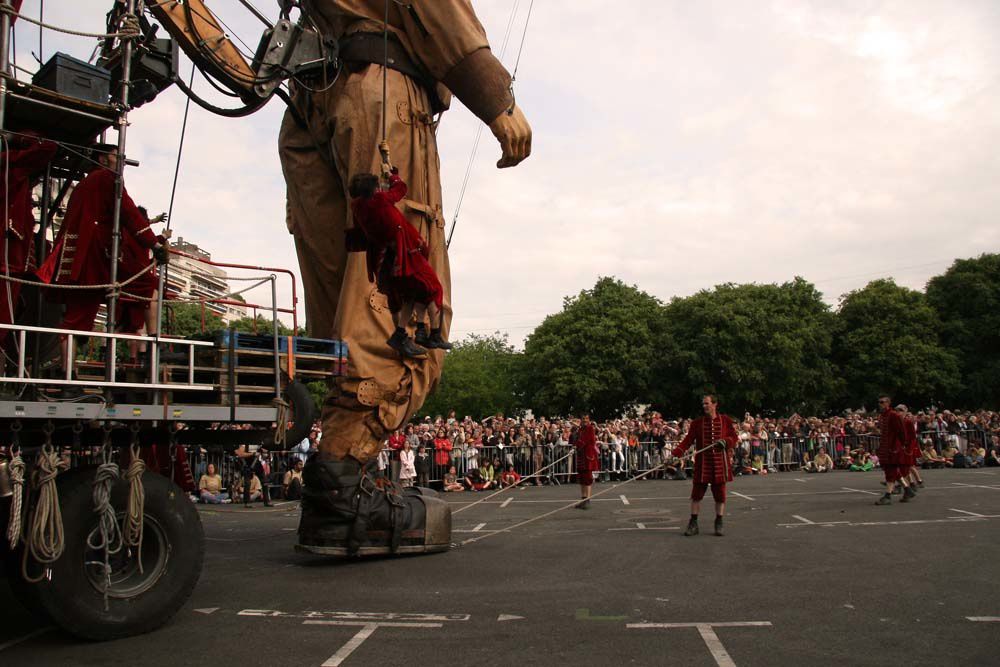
(381, 392)
(343, 512)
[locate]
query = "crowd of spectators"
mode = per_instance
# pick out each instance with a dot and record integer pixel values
(472, 455)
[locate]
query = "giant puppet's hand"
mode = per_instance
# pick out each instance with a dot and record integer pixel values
(513, 132)
(720, 444)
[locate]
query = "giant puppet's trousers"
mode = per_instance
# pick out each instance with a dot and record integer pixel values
(380, 391)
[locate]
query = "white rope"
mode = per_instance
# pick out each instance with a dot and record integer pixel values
(523, 479)
(136, 507)
(577, 502)
(106, 537)
(16, 467)
(129, 26)
(115, 286)
(45, 540)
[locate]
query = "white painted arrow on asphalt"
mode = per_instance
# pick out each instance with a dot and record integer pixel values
(207, 610)
(509, 617)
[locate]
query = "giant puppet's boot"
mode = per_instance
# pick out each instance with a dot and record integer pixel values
(344, 513)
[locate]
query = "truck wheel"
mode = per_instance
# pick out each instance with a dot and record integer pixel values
(173, 548)
(302, 413)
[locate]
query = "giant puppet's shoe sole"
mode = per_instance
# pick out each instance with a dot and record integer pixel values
(343, 552)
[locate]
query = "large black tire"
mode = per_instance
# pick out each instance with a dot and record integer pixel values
(301, 413)
(172, 551)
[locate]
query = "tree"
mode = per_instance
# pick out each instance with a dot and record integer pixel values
(260, 325)
(888, 342)
(478, 379)
(185, 319)
(596, 355)
(760, 347)
(967, 300)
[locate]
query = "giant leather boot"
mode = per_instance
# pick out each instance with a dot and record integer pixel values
(344, 513)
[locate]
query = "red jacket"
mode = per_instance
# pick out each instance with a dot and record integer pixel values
(83, 248)
(892, 447)
(587, 455)
(22, 166)
(711, 466)
(378, 224)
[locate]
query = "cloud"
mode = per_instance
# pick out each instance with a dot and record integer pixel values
(676, 146)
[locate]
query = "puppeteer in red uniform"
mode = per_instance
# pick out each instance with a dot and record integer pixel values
(82, 255)
(22, 163)
(397, 262)
(712, 467)
(893, 451)
(588, 460)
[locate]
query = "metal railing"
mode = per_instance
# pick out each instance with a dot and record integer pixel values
(69, 360)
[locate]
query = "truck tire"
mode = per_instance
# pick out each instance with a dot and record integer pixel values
(301, 413)
(173, 550)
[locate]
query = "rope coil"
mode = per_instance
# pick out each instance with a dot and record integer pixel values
(46, 539)
(135, 509)
(16, 467)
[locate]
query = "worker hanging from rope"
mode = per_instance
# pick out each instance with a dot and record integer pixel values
(427, 52)
(397, 260)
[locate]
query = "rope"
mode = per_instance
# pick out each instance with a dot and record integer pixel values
(135, 509)
(129, 26)
(523, 479)
(201, 299)
(281, 428)
(16, 467)
(45, 540)
(479, 129)
(115, 286)
(576, 502)
(106, 536)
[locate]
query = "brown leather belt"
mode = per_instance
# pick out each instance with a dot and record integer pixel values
(372, 48)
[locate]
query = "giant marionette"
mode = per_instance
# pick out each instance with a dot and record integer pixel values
(397, 68)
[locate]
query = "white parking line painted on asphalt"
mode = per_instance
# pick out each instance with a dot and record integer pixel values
(803, 519)
(478, 528)
(800, 479)
(506, 502)
(707, 632)
(362, 616)
(984, 619)
(952, 519)
(981, 516)
(741, 495)
(644, 527)
(30, 635)
(977, 486)
(640, 526)
(870, 493)
(624, 500)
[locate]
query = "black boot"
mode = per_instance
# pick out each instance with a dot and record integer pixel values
(692, 528)
(437, 341)
(886, 499)
(403, 344)
(908, 495)
(345, 514)
(583, 504)
(718, 526)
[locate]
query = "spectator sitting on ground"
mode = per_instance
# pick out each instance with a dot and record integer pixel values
(255, 488)
(509, 477)
(977, 457)
(451, 483)
(862, 462)
(210, 487)
(474, 480)
(949, 454)
(291, 483)
(822, 463)
(993, 457)
(674, 469)
(931, 458)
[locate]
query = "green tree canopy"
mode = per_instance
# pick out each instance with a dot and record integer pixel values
(596, 355)
(478, 379)
(760, 347)
(889, 342)
(967, 299)
(260, 325)
(185, 319)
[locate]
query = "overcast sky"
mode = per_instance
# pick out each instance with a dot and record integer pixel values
(677, 145)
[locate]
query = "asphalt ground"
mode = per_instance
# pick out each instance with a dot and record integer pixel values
(810, 572)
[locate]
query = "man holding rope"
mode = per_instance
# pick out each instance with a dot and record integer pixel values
(714, 438)
(588, 460)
